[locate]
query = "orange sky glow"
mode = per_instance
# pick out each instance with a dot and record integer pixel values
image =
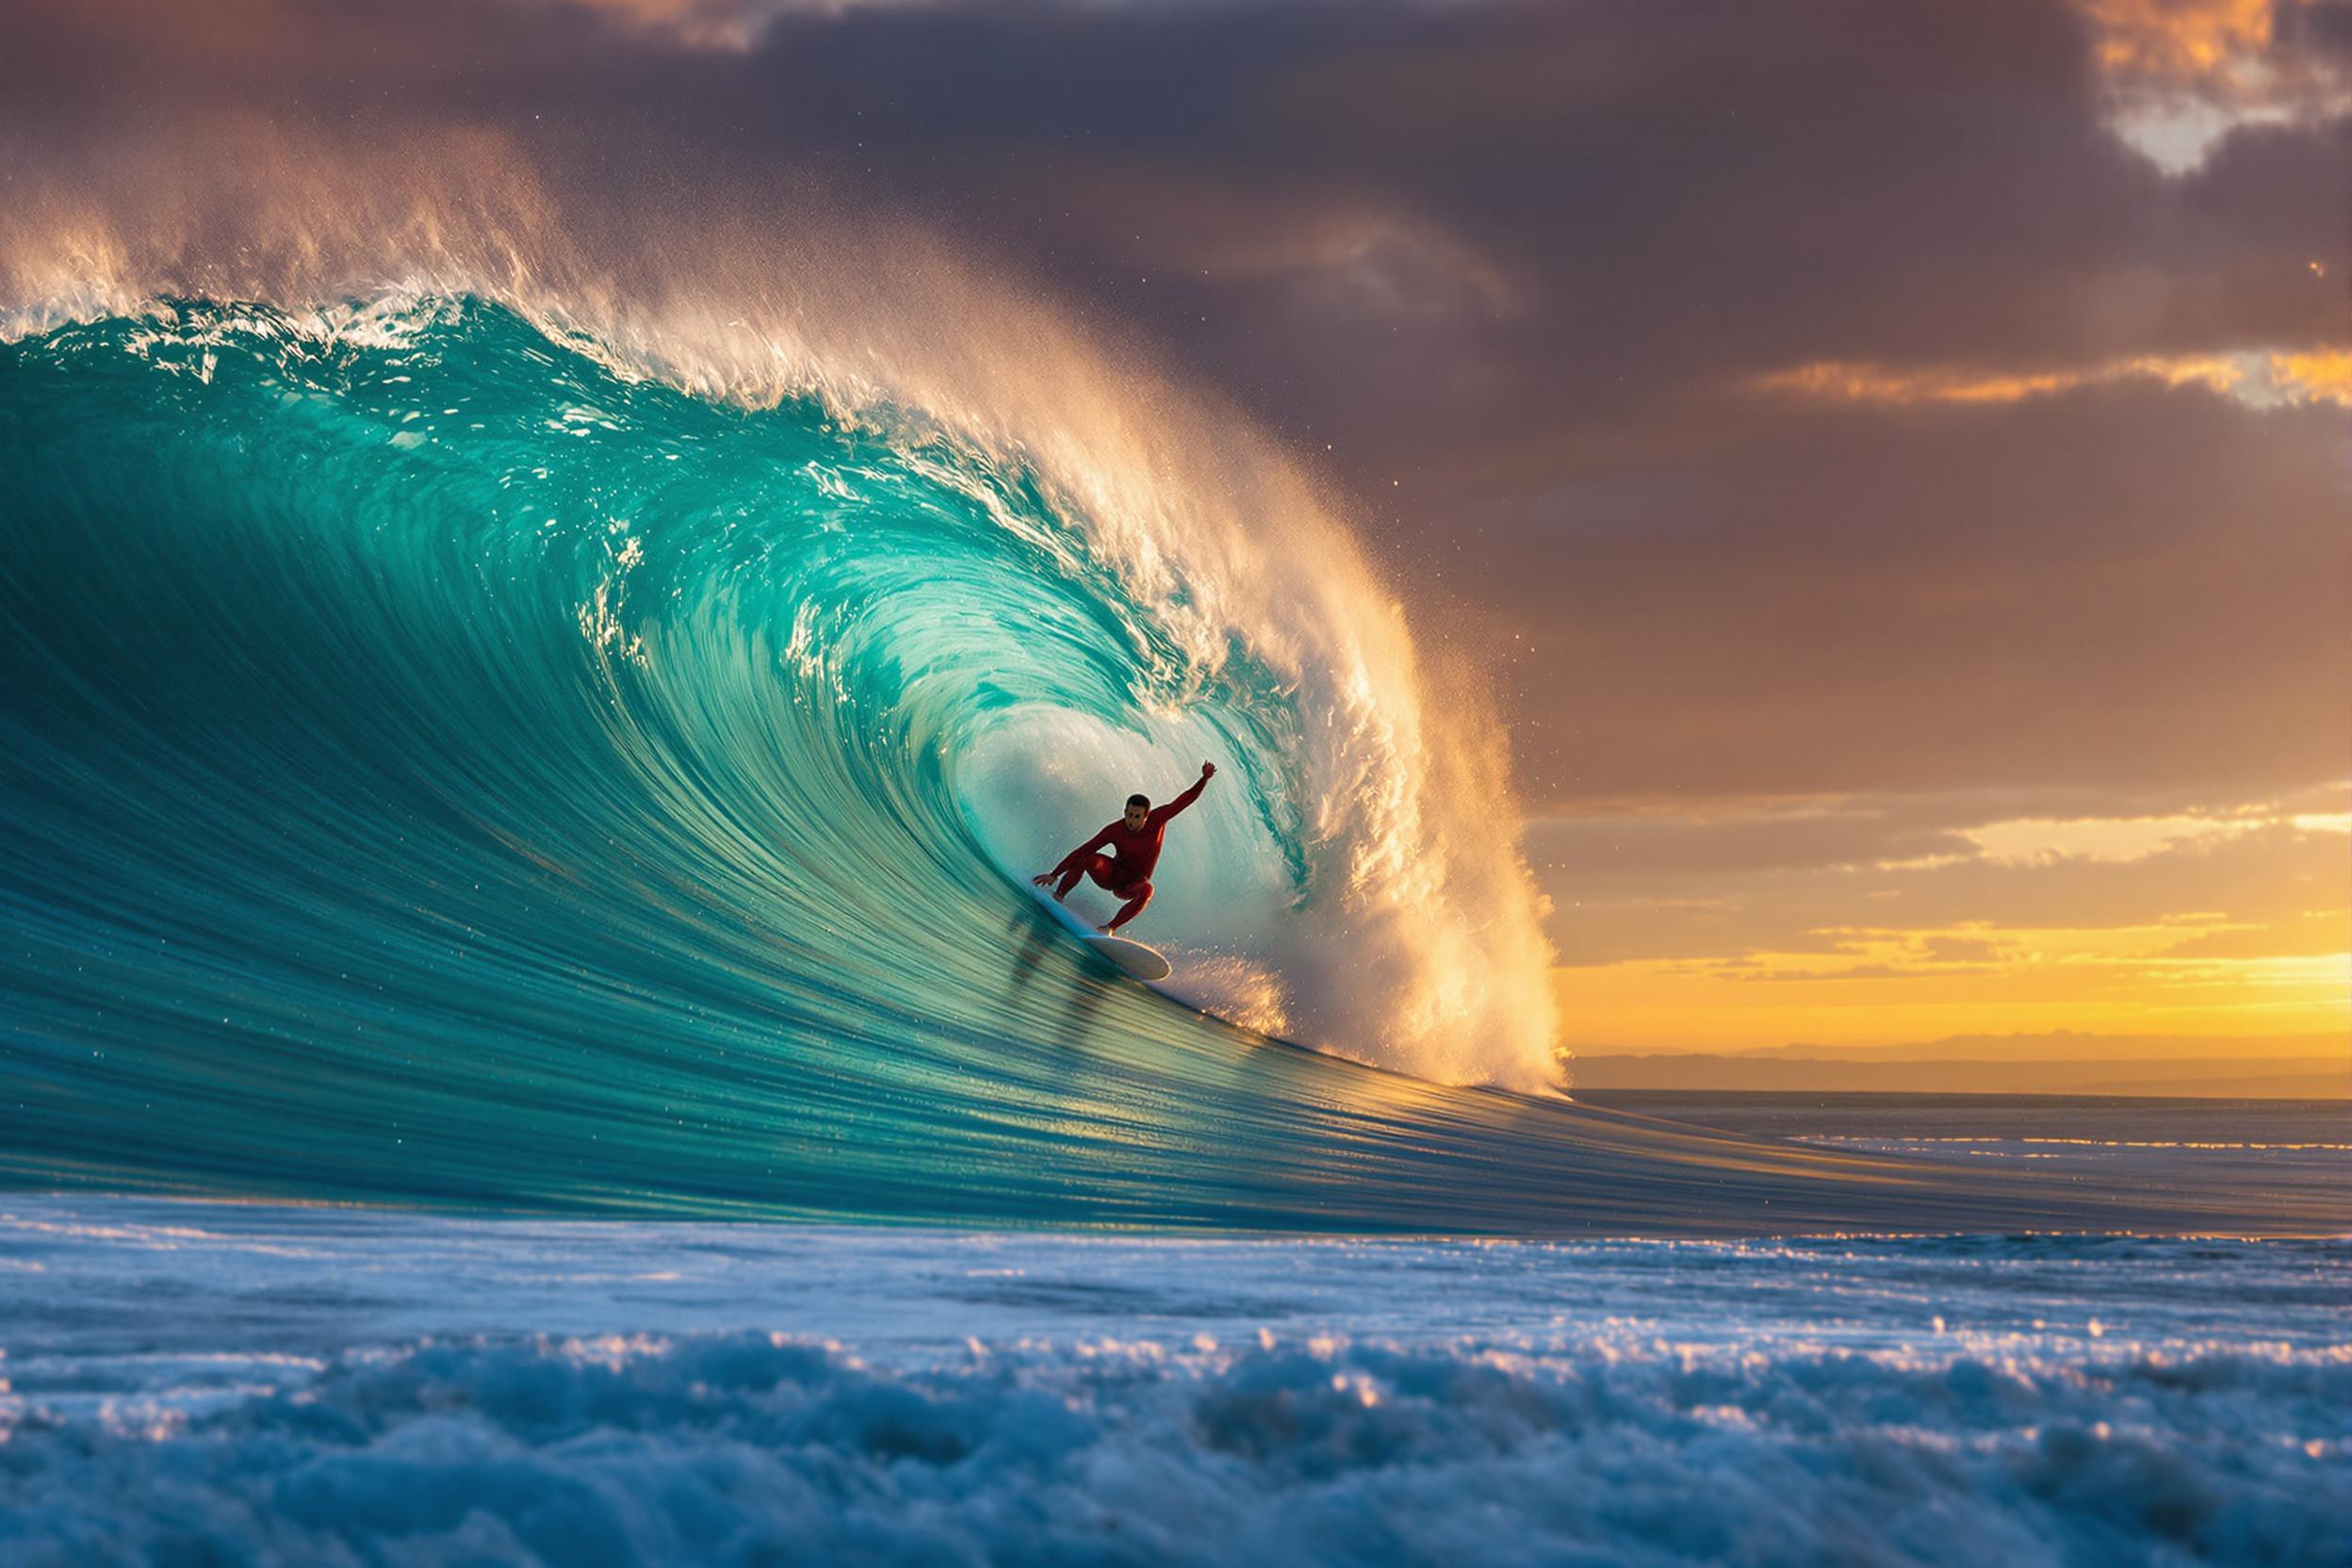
(1713, 921)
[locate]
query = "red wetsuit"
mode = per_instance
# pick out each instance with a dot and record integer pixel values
(1129, 874)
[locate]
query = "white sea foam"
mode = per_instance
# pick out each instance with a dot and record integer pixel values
(744, 1448)
(343, 1387)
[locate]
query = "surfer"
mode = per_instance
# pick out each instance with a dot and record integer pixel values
(1135, 837)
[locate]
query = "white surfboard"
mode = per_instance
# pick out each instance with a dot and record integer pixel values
(1132, 956)
(1144, 963)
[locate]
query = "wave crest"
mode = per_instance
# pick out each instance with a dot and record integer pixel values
(1381, 911)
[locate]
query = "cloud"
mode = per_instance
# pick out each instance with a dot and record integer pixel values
(723, 25)
(2263, 380)
(2009, 595)
(2230, 919)
(2028, 840)
(2180, 74)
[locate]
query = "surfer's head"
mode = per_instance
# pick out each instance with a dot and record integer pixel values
(1138, 808)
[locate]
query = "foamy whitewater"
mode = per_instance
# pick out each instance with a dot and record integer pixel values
(208, 1383)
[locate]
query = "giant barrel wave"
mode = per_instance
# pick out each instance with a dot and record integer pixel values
(462, 749)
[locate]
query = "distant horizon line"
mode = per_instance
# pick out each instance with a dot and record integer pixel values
(2010, 1048)
(2238, 1076)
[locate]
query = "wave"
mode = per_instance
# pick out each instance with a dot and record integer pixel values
(515, 703)
(1359, 874)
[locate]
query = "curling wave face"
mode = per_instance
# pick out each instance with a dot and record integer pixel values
(515, 739)
(433, 748)
(829, 675)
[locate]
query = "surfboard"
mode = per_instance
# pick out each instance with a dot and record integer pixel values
(1132, 956)
(1144, 963)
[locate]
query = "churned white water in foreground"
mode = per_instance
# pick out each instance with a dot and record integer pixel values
(218, 1383)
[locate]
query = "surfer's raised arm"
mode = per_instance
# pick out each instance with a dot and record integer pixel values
(1208, 771)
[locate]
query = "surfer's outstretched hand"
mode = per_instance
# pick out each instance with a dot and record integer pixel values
(1208, 770)
(1043, 880)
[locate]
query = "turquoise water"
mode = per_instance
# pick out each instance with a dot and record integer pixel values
(442, 764)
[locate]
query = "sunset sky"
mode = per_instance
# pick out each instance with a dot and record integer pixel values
(1892, 457)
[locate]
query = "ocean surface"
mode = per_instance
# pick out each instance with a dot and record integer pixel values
(192, 1381)
(195, 1383)
(2293, 1154)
